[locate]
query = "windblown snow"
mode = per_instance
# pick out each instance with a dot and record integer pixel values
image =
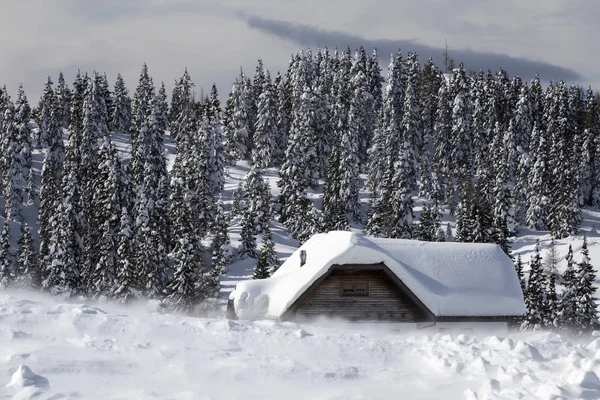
(55, 350)
(451, 279)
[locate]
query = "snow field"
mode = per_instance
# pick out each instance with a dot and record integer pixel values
(55, 350)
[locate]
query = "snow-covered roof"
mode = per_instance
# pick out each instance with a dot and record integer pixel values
(450, 279)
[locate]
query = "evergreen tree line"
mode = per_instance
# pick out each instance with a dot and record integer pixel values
(574, 308)
(496, 152)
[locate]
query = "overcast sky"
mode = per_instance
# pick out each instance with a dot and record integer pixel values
(214, 38)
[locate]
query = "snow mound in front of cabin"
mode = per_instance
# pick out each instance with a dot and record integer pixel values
(451, 279)
(115, 352)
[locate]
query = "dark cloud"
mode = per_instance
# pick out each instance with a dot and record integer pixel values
(305, 35)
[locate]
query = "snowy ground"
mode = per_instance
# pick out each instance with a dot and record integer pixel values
(108, 352)
(57, 350)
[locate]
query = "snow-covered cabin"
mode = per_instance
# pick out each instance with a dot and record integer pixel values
(350, 276)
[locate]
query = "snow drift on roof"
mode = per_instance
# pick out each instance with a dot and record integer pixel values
(451, 279)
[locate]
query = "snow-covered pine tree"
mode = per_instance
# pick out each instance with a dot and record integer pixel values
(461, 133)
(535, 296)
(589, 169)
(162, 104)
(267, 262)
(63, 96)
(102, 278)
(281, 119)
(550, 272)
(388, 132)
(563, 192)
(520, 273)
(45, 106)
(265, 136)
(182, 290)
(296, 173)
(412, 127)
(587, 312)
(27, 271)
(237, 201)
(181, 100)
(537, 200)
(221, 247)
(105, 221)
(522, 128)
(567, 307)
(351, 120)
(429, 223)
(241, 122)
(120, 121)
(6, 258)
(12, 168)
(124, 288)
(442, 144)
(257, 207)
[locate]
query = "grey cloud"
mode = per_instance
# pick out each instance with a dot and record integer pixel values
(305, 35)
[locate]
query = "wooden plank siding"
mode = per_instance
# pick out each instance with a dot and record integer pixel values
(385, 302)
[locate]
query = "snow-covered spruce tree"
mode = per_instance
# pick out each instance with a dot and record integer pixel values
(95, 127)
(120, 121)
(412, 127)
(460, 136)
(6, 258)
(182, 290)
(350, 121)
(12, 168)
(567, 306)
(564, 208)
(105, 221)
(216, 157)
(334, 209)
(361, 118)
(281, 119)
(267, 262)
(535, 296)
(589, 169)
(124, 288)
(324, 108)
(520, 273)
(27, 272)
(523, 130)
(550, 272)
(402, 202)
(45, 106)
(265, 136)
(63, 96)
(181, 99)
(482, 165)
(162, 104)
(442, 143)
(237, 201)
(537, 200)
(257, 207)
(221, 247)
(429, 223)
(241, 121)
(474, 218)
(388, 132)
(105, 93)
(22, 119)
(587, 313)
(296, 173)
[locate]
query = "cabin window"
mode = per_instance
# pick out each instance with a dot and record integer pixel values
(355, 288)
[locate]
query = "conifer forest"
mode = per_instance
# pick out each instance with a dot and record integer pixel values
(492, 151)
